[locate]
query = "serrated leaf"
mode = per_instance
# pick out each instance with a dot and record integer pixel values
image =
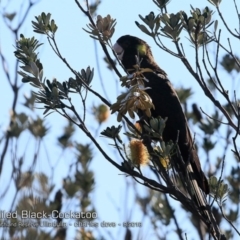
(34, 68)
(41, 75)
(48, 18)
(143, 28)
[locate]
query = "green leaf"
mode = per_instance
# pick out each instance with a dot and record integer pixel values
(143, 28)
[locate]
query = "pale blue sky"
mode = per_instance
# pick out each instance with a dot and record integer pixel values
(78, 49)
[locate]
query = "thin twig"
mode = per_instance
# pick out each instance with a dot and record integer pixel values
(236, 152)
(225, 24)
(237, 15)
(14, 85)
(99, 71)
(213, 118)
(87, 13)
(223, 214)
(207, 91)
(179, 230)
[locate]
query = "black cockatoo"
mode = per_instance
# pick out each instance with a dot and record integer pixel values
(165, 100)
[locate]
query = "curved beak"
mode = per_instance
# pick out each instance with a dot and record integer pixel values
(119, 50)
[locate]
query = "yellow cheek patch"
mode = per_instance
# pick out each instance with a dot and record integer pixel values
(142, 49)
